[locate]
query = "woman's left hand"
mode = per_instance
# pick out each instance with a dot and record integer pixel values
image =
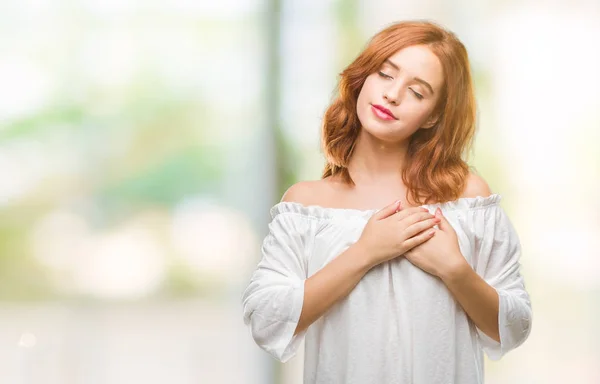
(440, 255)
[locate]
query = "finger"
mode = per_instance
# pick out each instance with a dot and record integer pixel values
(399, 207)
(418, 227)
(419, 239)
(387, 210)
(444, 225)
(404, 213)
(413, 219)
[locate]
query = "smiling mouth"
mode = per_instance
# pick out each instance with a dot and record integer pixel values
(382, 113)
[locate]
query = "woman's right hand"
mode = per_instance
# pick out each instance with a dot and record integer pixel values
(392, 231)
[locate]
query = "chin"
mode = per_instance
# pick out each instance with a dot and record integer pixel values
(384, 133)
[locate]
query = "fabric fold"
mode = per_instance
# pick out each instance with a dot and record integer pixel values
(273, 300)
(498, 262)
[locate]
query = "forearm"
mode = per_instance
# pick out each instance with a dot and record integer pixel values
(477, 298)
(331, 284)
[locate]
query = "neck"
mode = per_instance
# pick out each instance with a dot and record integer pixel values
(375, 161)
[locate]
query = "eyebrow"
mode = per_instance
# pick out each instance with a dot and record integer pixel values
(417, 79)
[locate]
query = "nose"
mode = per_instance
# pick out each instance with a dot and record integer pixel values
(392, 93)
(389, 99)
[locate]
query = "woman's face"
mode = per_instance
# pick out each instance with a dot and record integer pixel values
(408, 85)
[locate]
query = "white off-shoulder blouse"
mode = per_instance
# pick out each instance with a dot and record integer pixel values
(399, 324)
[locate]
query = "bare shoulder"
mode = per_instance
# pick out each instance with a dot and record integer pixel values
(476, 186)
(310, 192)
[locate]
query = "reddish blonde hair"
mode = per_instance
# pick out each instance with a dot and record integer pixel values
(435, 171)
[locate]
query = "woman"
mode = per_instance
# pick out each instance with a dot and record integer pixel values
(413, 292)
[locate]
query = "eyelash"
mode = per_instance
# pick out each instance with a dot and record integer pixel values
(386, 76)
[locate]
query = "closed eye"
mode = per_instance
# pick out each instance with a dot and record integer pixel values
(417, 94)
(386, 76)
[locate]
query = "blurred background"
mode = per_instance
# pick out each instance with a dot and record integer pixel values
(142, 144)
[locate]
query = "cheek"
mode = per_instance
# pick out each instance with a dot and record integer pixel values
(416, 113)
(365, 97)
(366, 92)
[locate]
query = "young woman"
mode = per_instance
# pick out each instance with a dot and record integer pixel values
(413, 292)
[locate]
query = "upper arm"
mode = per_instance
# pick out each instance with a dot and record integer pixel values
(476, 186)
(302, 192)
(498, 255)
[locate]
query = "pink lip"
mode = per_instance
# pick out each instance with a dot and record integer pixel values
(383, 112)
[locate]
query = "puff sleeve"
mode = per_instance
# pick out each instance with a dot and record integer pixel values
(273, 300)
(498, 250)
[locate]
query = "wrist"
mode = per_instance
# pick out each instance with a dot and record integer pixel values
(455, 272)
(361, 255)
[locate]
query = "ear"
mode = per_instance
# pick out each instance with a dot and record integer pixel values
(430, 123)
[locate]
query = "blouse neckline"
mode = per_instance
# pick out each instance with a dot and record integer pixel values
(317, 211)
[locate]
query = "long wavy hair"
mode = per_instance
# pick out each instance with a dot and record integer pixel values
(435, 170)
